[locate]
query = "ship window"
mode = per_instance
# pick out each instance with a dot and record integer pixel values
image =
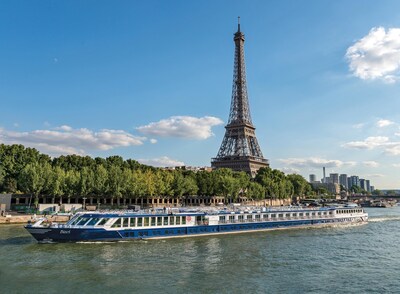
(159, 221)
(125, 223)
(257, 216)
(313, 213)
(183, 220)
(222, 218)
(140, 221)
(280, 215)
(307, 214)
(178, 220)
(301, 214)
(231, 218)
(273, 215)
(146, 221)
(75, 221)
(82, 222)
(153, 221)
(171, 220)
(133, 222)
(240, 217)
(287, 214)
(265, 215)
(117, 223)
(165, 220)
(249, 216)
(92, 222)
(102, 222)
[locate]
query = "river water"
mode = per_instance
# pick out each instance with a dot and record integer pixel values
(344, 259)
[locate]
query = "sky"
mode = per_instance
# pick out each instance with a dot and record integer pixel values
(152, 81)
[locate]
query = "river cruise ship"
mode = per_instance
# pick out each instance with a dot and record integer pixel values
(179, 222)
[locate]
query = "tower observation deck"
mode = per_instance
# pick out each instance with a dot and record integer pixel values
(239, 150)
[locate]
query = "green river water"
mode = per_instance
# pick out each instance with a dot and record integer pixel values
(343, 259)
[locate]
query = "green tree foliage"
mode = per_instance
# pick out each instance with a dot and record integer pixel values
(275, 183)
(28, 171)
(300, 185)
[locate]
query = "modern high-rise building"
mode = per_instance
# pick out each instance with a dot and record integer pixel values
(334, 178)
(372, 189)
(323, 175)
(313, 178)
(343, 181)
(354, 181)
(239, 149)
(363, 184)
(368, 186)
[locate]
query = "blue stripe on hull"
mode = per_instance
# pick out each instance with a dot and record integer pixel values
(99, 234)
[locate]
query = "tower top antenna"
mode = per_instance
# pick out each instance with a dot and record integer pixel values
(238, 23)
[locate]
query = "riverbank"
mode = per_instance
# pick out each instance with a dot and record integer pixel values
(24, 218)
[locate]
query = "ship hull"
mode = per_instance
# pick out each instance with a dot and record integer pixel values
(63, 234)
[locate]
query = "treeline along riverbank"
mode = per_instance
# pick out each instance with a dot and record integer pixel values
(27, 171)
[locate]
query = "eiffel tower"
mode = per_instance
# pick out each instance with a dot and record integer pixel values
(239, 150)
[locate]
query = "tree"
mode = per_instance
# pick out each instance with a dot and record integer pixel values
(300, 185)
(255, 191)
(32, 179)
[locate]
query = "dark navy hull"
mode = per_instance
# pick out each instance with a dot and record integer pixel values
(64, 234)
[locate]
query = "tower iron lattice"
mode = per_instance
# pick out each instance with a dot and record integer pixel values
(239, 150)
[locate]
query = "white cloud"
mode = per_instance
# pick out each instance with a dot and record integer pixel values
(371, 163)
(374, 176)
(396, 164)
(153, 141)
(377, 55)
(359, 126)
(182, 127)
(371, 143)
(368, 143)
(163, 161)
(384, 123)
(316, 162)
(290, 170)
(66, 140)
(393, 149)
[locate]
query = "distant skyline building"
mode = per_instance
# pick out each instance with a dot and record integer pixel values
(368, 186)
(334, 178)
(313, 178)
(343, 181)
(239, 150)
(323, 175)
(354, 181)
(363, 184)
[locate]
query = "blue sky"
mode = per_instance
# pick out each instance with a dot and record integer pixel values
(151, 80)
